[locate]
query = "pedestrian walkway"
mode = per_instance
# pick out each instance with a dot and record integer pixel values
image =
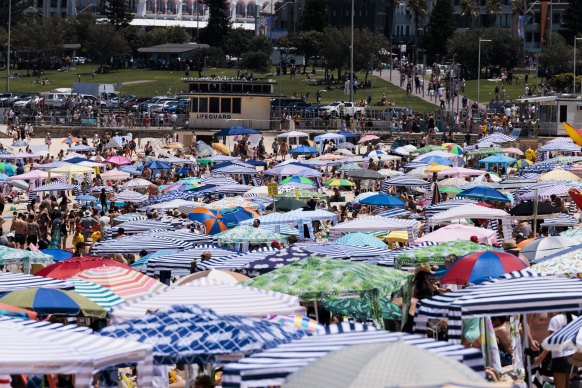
(394, 78)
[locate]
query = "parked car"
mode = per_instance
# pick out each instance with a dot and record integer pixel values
(55, 100)
(7, 99)
(349, 109)
(396, 111)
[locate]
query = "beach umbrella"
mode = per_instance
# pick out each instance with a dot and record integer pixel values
(237, 130)
(124, 282)
(299, 322)
(459, 232)
(174, 145)
(248, 234)
(68, 268)
(182, 186)
(454, 149)
(522, 163)
(390, 173)
(231, 203)
(359, 239)
(72, 169)
(57, 254)
(426, 149)
(3, 177)
(559, 174)
(478, 267)
(8, 169)
(221, 148)
(86, 198)
(7, 310)
(130, 196)
(436, 168)
(338, 183)
(527, 209)
(365, 174)
(484, 151)
(287, 203)
(297, 179)
(158, 165)
(211, 219)
(382, 199)
(436, 254)
(360, 308)
(371, 154)
(271, 260)
(97, 293)
(437, 160)
(70, 140)
(315, 277)
(137, 183)
(228, 277)
(546, 246)
(484, 193)
(350, 166)
(382, 365)
(303, 150)
(567, 264)
(453, 182)
(194, 334)
(450, 190)
(23, 257)
(232, 217)
(512, 150)
(51, 301)
(367, 138)
(118, 160)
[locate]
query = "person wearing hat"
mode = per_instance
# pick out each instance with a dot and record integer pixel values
(512, 248)
(422, 288)
(87, 223)
(205, 256)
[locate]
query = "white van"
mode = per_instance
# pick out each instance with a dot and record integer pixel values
(55, 100)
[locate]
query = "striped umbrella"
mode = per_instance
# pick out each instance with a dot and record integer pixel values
(70, 267)
(130, 196)
(97, 293)
(300, 322)
(338, 183)
(297, 179)
(126, 283)
(51, 301)
(182, 186)
(211, 219)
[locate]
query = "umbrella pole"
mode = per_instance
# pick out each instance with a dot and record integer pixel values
(535, 220)
(316, 311)
(525, 346)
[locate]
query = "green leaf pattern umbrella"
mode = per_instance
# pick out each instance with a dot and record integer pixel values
(249, 234)
(361, 308)
(436, 255)
(485, 151)
(317, 278)
(23, 257)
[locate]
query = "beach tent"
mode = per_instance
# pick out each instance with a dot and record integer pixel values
(374, 224)
(460, 232)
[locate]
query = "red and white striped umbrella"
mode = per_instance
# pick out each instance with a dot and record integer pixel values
(127, 283)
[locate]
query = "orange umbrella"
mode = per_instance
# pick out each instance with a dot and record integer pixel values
(13, 311)
(70, 140)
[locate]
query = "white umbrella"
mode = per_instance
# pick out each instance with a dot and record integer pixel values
(130, 196)
(137, 183)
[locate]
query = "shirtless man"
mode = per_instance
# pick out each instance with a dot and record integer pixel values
(20, 231)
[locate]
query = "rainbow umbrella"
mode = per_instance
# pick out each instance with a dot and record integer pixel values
(182, 186)
(8, 169)
(454, 148)
(212, 221)
(70, 140)
(299, 322)
(522, 163)
(338, 182)
(478, 267)
(297, 179)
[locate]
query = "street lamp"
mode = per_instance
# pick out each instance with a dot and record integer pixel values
(8, 46)
(574, 82)
(352, 56)
(479, 71)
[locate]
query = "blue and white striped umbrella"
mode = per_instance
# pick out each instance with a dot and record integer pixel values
(403, 181)
(271, 367)
(45, 325)
(180, 263)
(18, 281)
(132, 244)
(53, 186)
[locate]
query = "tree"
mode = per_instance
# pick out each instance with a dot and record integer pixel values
(261, 43)
(219, 23)
(19, 10)
(418, 10)
(315, 15)
(164, 35)
(236, 42)
(107, 43)
(470, 10)
(308, 44)
(40, 39)
(118, 13)
(493, 8)
(212, 56)
(504, 50)
(571, 18)
(441, 26)
(135, 37)
(255, 60)
(557, 60)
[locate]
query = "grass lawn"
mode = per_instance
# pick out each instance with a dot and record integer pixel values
(512, 92)
(152, 82)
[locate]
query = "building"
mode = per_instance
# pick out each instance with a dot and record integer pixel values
(217, 103)
(368, 14)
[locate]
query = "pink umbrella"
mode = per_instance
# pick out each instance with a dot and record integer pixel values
(34, 175)
(460, 172)
(512, 150)
(368, 138)
(118, 160)
(459, 232)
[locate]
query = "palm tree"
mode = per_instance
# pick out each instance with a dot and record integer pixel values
(419, 10)
(470, 9)
(493, 8)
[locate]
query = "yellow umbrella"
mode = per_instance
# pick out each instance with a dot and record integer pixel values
(174, 145)
(397, 236)
(559, 174)
(219, 147)
(436, 168)
(72, 169)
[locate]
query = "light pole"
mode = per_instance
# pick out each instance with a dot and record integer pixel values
(352, 56)
(479, 71)
(8, 47)
(573, 83)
